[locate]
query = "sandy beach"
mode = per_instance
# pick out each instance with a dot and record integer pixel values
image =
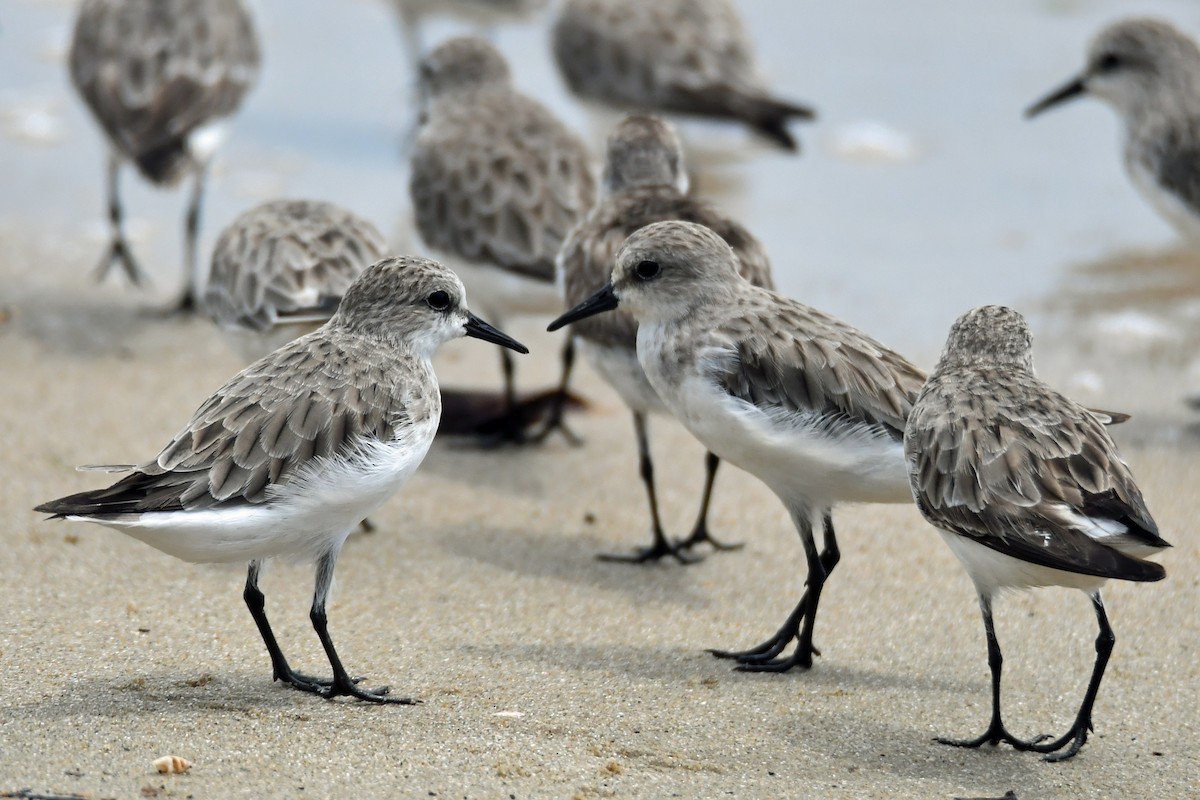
(544, 672)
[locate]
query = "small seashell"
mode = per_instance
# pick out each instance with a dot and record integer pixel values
(509, 714)
(172, 765)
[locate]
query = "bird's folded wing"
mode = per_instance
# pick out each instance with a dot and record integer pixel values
(505, 197)
(1039, 480)
(806, 362)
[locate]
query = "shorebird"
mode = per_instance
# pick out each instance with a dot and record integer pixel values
(1027, 488)
(644, 181)
(809, 405)
(288, 456)
(1149, 72)
(497, 182)
(689, 57)
(157, 75)
(280, 269)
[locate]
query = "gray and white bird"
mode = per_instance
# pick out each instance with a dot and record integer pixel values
(157, 75)
(288, 456)
(280, 269)
(497, 182)
(1149, 72)
(690, 57)
(809, 405)
(1027, 488)
(644, 181)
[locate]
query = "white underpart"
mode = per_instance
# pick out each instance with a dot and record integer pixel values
(310, 516)
(499, 294)
(801, 460)
(1108, 532)
(1169, 206)
(620, 368)
(993, 571)
(206, 140)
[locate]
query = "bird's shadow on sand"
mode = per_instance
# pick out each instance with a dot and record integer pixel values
(572, 559)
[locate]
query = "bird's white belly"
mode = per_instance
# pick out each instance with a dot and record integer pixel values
(993, 571)
(620, 368)
(500, 294)
(309, 516)
(800, 462)
(1168, 205)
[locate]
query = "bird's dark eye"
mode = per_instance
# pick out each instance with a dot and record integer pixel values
(1109, 62)
(647, 270)
(439, 300)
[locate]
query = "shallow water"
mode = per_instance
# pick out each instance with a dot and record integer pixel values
(986, 206)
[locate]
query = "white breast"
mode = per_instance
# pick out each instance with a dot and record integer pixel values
(619, 366)
(801, 459)
(1169, 205)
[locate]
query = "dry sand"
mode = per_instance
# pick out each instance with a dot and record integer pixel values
(544, 673)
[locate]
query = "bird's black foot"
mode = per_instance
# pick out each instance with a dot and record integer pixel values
(1075, 738)
(655, 552)
(556, 420)
(509, 429)
(120, 255)
(701, 536)
(765, 657)
(994, 735)
(800, 657)
(366, 526)
(345, 687)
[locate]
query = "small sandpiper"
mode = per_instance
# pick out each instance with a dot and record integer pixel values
(1149, 72)
(644, 181)
(288, 456)
(809, 405)
(497, 182)
(1027, 488)
(157, 75)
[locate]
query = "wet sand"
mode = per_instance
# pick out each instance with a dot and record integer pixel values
(544, 673)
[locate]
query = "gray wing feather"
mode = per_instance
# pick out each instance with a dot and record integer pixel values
(996, 458)
(809, 363)
(500, 181)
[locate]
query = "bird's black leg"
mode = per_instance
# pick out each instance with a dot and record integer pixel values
(342, 683)
(257, 604)
(660, 546)
(188, 301)
(556, 416)
(700, 529)
(762, 658)
(509, 427)
(118, 249)
(1078, 732)
(996, 731)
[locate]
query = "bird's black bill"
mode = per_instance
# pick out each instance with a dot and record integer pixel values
(603, 300)
(1059, 95)
(478, 329)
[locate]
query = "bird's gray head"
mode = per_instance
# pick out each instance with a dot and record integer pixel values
(414, 302)
(668, 269)
(462, 64)
(1137, 66)
(989, 336)
(644, 151)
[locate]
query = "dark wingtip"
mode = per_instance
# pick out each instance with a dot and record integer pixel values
(770, 118)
